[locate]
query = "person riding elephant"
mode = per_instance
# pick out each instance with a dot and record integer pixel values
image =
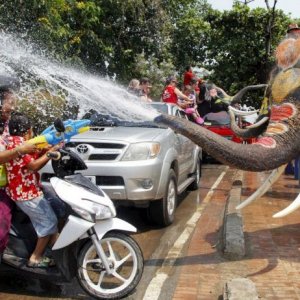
(7, 106)
(212, 99)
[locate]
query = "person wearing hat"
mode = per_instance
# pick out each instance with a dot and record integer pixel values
(293, 31)
(145, 89)
(171, 94)
(7, 105)
(288, 51)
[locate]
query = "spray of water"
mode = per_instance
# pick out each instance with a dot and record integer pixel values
(38, 74)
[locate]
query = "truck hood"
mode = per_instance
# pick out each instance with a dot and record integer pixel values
(126, 134)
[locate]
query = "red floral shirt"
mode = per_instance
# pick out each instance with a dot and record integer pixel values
(23, 184)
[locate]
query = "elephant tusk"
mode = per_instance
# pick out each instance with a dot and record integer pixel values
(292, 207)
(264, 187)
(238, 112)
(259, 123)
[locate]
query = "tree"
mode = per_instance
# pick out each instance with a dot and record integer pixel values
(236, 44)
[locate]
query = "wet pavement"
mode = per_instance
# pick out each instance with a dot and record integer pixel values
(199, 270)
(272, 260)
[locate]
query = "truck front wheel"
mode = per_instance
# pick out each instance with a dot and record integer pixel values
(162, 212)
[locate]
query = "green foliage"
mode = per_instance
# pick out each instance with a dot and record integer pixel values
(156, 71)
(43, 108)
(236, 45)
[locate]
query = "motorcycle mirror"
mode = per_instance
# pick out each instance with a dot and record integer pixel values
(59, 125)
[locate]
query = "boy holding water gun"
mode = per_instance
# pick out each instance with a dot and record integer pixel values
(24, 189)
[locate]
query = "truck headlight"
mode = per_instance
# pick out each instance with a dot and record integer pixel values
(141, 151)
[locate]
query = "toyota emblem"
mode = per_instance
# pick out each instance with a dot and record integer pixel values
(82, 148)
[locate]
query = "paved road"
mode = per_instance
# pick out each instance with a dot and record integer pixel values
(156, 243)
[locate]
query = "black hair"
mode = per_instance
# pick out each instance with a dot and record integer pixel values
(3, 93)
(144, 80)
(193, 80)
(18, 124)
(187, 68)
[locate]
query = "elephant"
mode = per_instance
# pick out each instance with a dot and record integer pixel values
(277, 128)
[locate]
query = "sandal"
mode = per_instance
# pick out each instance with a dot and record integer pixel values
(51, 261)
(44, 263)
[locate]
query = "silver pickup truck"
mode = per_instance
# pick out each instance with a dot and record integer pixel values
(140, 164)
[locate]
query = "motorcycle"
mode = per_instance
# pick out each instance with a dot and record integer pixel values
(93, 244)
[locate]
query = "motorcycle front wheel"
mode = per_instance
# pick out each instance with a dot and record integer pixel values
(126, 263)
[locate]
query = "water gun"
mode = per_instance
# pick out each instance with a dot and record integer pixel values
(51, 137)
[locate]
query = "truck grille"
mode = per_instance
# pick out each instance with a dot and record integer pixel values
(97, 151)
(97, 145)
(103, 156)
(100, 180)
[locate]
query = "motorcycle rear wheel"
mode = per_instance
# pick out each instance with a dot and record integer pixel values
(126, 261)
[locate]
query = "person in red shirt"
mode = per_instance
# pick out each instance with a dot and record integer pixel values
(188, 75)
(171, 94)
(24, 188)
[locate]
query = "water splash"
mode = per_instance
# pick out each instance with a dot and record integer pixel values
(38, 74)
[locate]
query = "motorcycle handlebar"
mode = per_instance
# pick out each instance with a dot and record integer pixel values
(54, 155)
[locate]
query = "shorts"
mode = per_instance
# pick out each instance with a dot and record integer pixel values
(41, 215)
(59, 207)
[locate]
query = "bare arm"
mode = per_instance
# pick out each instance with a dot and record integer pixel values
(37, 164)
(181, 95)
(7, 155)
(187, 101)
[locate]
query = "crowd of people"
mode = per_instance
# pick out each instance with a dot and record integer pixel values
(195, 96)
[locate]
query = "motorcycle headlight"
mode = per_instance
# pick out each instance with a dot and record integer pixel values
(103, 212)
(84, 214)
(141, 151)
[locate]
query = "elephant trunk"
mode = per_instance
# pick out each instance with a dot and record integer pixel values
(248, 132)
(238, 96)
(249, 157)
